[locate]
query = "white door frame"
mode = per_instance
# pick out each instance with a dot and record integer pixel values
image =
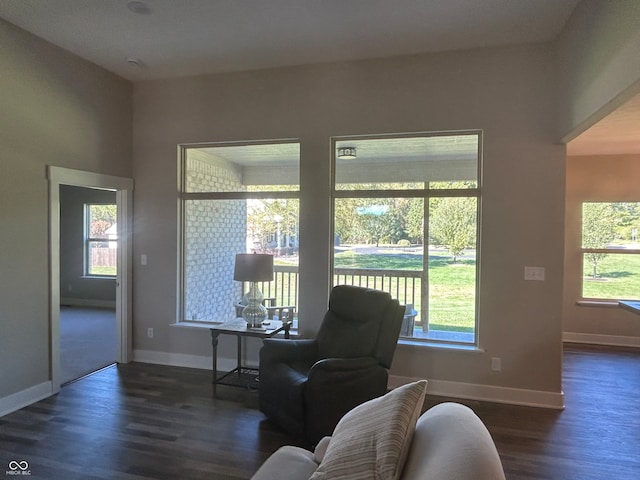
(124, 188)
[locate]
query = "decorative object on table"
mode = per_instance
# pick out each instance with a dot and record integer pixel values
(307, 385)
(252, 268)
(277, 312)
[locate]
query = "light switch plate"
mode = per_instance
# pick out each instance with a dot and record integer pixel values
(534, 273)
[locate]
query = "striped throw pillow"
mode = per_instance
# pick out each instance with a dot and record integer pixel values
(373, 439)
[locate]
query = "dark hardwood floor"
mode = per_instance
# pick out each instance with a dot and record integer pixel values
(141, 421)
(597, 435)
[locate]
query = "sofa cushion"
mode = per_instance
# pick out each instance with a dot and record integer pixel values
(287, 462)
(372, 440)
(450, 441)
(321, 449)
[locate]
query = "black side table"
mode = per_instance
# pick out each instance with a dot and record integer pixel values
(241, 376)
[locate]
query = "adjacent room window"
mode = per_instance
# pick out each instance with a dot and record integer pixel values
(101, 239)
(237, 198)
(610, 250)
(406, 212)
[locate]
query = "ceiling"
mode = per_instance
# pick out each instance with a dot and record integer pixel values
(154, 39)
(190, 37)
(378, 150)
(616, 134)
(395, 159)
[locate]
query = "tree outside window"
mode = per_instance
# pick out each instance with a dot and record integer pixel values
(610, 250)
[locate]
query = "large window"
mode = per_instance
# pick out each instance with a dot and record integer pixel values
(406, 212)
(237, 198)
(100, 239)
(610, 250)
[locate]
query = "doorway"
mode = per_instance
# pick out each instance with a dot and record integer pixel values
(119, 189)
(88, 270)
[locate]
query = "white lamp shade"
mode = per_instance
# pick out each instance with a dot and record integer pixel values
(253, 267)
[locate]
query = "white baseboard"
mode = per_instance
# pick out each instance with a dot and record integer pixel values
(487, 393)
(86, 302)
(185, 360)
(26, 397)
(596, 339)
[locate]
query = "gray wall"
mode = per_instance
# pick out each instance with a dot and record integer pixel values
(75, 288)
(509, 93)
(56, 110)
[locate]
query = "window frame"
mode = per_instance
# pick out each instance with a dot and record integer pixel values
(426, 194)
(609, 251)
(185, 196)
(88, 240)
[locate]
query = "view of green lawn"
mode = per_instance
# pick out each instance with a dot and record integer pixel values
(452, 285)
(618, 277)
(106, 271)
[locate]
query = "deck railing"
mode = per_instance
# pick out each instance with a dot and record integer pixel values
(403, 285)
(284, 287)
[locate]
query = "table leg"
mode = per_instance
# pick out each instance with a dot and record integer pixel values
(239, 359)
(214, 344)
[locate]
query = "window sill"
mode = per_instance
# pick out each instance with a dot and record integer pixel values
(598, 303)
(407, 342)
(99, 277)
(206, 325)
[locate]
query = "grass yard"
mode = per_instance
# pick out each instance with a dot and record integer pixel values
(106, 271)
(452, 286)
(618, 278)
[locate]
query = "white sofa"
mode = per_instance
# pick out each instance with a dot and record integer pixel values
(450, 442)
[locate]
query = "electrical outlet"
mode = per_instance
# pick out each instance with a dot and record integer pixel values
(143, 259)
(150, 332)
(496, 364)
(534, 273)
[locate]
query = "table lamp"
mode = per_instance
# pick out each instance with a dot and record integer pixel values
(252, 268)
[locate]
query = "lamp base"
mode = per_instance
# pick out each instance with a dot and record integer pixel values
(254, 313)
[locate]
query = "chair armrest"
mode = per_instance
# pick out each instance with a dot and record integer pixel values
(268, 301)
(363, 376)
(276, 350)
(329, 365)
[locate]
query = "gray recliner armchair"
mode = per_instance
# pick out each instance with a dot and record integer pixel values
(307, 385)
